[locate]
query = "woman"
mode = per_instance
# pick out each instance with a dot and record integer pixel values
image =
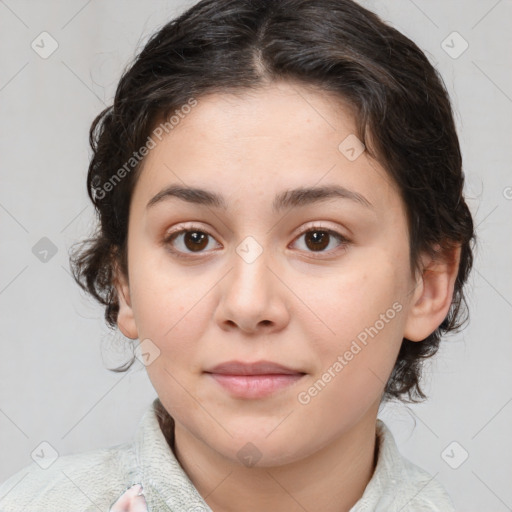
(282, 226)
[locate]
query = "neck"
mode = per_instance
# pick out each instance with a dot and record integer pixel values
(331, 479)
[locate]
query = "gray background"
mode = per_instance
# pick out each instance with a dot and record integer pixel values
(54, 385)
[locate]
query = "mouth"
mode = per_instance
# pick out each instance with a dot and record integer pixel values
(254, 380)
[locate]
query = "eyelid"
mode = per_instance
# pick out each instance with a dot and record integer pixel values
(183, 226)
(320, 226)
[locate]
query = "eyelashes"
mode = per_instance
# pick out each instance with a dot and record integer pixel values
(194, 242)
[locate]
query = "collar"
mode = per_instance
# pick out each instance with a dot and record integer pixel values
(166, 485)
(396, 484)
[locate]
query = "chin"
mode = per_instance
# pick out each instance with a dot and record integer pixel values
(259, 446)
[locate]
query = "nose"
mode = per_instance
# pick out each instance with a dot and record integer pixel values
(253, 298)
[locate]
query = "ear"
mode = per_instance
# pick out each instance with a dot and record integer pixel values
(125, 317)
(432, 296)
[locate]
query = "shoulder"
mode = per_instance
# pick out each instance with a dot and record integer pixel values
(84, 481)
(423, 493)
(399, 485)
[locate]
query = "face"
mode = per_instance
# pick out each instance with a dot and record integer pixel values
(318, 282)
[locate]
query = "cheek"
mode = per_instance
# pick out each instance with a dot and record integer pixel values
(356, 362)
(364, 313)
(170, 308)
(160, 294)
(175, 319)
(352, 301)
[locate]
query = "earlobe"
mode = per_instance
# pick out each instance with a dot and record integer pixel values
(125, 317)
(433, 294)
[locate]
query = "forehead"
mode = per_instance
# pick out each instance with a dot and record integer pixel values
(281, 110)
(279, 136)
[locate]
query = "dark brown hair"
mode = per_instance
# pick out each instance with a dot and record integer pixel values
(403, 113)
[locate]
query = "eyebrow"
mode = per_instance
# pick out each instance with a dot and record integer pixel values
(297, 197)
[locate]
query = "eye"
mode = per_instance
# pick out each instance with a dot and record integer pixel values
(188, 241)
(319, 239)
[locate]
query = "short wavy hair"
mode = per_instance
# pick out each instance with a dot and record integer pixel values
(403, 112)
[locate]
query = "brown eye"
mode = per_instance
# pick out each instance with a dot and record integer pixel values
(195, 240)
(321, 240)
(187, 241)
(317, 240)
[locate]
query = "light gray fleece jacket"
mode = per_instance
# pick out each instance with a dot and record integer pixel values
(95, 480)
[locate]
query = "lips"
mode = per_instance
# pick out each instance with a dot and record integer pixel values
(253, 380)
(256, 368)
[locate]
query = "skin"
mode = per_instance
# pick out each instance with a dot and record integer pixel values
(293, 305)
